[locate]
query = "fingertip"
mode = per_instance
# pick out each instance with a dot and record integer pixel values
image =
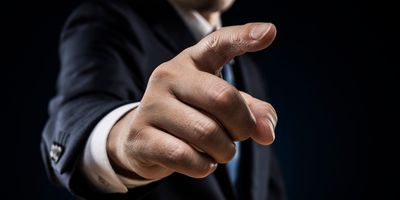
(213, 166)
(202, 174)
(265, 134)
(272, 33)
(259, 30)
(263, 34)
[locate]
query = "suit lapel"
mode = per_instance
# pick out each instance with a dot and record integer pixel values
(171, 29)
(165, 23)
(174, 38)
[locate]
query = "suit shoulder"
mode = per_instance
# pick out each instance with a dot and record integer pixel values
(115, 13)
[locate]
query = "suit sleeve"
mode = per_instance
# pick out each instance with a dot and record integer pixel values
(94, 79)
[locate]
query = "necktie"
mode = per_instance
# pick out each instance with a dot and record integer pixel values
(232, 166)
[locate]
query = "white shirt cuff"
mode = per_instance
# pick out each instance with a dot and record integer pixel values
(95, 163)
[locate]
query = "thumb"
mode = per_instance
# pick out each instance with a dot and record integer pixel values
(221, 46)
(266, 119)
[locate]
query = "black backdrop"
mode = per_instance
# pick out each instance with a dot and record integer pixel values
(321, 71)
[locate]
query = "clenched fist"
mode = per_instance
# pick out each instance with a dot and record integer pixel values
(189, 118)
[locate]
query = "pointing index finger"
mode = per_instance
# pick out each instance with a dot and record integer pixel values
(221, 46)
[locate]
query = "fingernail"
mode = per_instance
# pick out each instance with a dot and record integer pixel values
(213, 166)
(272, 127)
(260, 30)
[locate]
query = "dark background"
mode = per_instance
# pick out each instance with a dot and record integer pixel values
(322, 73)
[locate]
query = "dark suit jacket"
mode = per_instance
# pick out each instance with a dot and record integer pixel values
(108, 51)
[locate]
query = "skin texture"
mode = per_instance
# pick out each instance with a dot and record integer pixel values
(189, 118)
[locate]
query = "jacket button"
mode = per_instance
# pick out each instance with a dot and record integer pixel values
(55, 152)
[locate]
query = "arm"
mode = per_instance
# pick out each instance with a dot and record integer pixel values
(93, 81)
(183, 96)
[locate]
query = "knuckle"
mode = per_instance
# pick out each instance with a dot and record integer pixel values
(224, 95)
(217, 44)
(204, 131)
(212, 42)
(176, 154)
(162, 72)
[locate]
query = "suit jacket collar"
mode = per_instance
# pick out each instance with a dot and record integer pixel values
(172, 29)
(175, 34)
(197, 24)
(165, 23)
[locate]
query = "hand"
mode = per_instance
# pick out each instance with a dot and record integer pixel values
(188, 117)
